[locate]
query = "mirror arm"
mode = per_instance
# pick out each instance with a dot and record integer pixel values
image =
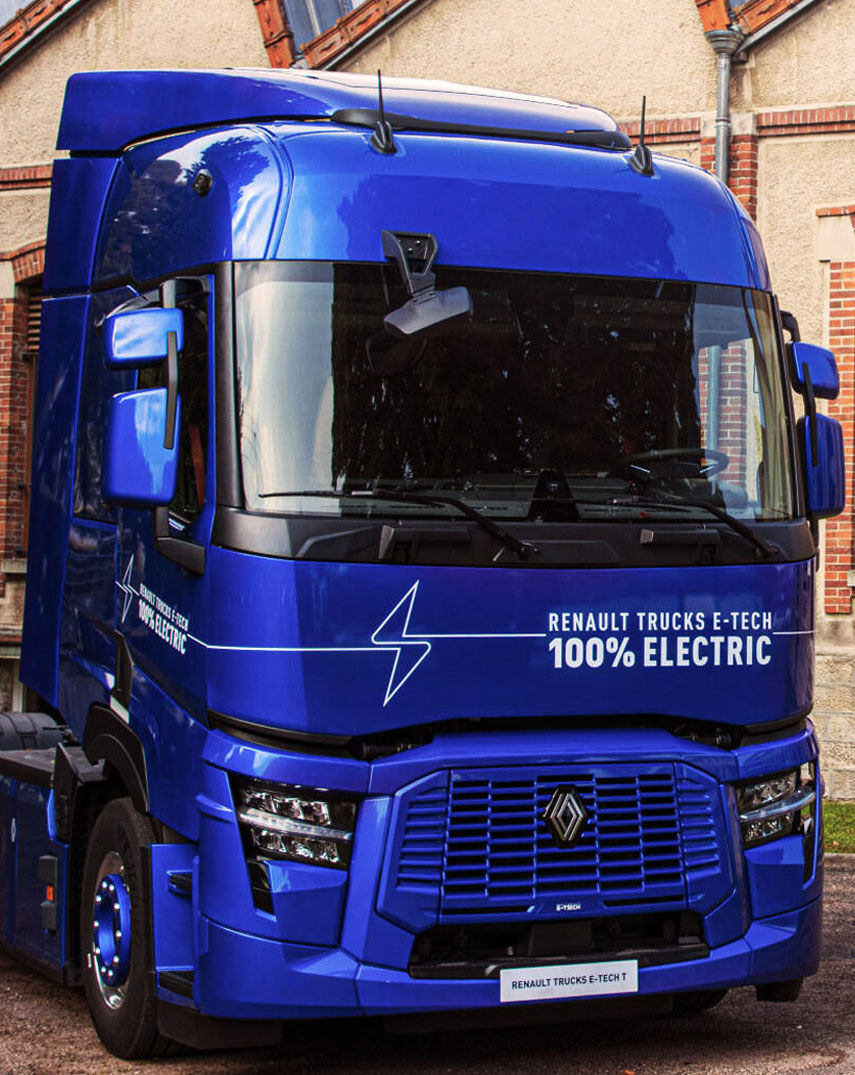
(416, 283)
(171, 389)
(183, 551)
(791, 325)
(810, 408)
(168, 299)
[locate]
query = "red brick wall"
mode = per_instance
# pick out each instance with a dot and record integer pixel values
(742, 169)
(732, 424)
(15, 402)
(708, 154)
(742, 174)
(841, 340)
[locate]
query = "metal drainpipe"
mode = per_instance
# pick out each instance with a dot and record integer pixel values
(724, 43)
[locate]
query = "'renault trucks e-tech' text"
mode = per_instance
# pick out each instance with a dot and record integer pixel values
(421, 568)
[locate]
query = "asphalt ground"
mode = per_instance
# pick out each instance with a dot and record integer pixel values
(45, 1030)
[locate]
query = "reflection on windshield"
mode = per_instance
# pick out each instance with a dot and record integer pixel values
(561, 399)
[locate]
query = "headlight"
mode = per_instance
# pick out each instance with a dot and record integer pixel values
(300, 824)
(777, 805)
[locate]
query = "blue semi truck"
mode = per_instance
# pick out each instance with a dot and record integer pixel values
(421, 572)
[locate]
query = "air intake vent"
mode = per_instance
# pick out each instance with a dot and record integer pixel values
(479, 846)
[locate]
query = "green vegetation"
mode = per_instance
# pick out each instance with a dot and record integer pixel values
(839, 826)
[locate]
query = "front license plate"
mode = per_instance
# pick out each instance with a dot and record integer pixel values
(569, 980)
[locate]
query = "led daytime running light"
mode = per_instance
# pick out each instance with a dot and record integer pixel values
(300, 824)
(797, 801)
(260, 819)
(771, 808)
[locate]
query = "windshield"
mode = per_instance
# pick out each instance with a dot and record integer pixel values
(563, 397)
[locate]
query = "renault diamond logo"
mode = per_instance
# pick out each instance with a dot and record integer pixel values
(565, 816)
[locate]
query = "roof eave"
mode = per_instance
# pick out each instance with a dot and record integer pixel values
(754, 36)
(35, 25)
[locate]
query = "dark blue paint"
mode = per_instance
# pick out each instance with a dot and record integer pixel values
(139, 337)
(775, 877)
(317, 194)
(87, 647)
(821, 369)
(308, 901)
(172, 743)
(62, 331)
(78, 190)
(8, 787)
(105, 110)
(478, 643)
(575, 210)
(138, 467)
(173, 910)
(155, 221)
(32, 841)
(825, 472)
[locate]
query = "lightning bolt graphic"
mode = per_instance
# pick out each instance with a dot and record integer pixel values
(409, 654)
(126, 588)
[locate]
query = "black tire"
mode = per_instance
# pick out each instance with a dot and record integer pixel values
(702, 1000)
(124, 1011)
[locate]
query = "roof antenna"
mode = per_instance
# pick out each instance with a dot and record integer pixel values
(642, 159)
(382, 138)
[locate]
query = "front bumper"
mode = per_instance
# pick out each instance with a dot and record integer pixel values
(283, 981)
(341, 943)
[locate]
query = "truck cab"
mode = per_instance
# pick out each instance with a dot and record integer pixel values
(421, 573)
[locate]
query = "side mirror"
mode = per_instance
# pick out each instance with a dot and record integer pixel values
(138, 469)
(141, 337)
(821, 441)
(813, 367)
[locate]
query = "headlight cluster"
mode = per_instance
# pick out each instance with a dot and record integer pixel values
(300, 824)
(777, 805)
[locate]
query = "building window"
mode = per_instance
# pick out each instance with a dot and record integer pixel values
(308, 18)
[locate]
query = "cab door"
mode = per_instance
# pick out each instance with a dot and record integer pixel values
(166, 508)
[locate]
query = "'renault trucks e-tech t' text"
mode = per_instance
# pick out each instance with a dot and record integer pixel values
(421, 568)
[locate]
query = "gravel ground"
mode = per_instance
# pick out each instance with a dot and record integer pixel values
(45, 1030)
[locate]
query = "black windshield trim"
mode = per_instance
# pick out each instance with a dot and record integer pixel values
(610, 544)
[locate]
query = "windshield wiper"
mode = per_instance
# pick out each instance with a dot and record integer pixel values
(523, 549)
(763, 548)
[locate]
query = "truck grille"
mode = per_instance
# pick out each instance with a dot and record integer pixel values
(475, 842)
(497, 848)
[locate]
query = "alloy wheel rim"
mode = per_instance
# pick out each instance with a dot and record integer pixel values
(111, 931)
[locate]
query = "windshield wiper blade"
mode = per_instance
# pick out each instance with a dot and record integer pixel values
(521, 548)
(762, 547)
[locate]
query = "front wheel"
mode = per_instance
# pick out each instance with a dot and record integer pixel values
(114, 934)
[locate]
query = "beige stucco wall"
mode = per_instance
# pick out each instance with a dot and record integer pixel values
(118, 34)
(797, 176)
(23, 218)
(603, 54)
(684, 151)
(810, 60)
